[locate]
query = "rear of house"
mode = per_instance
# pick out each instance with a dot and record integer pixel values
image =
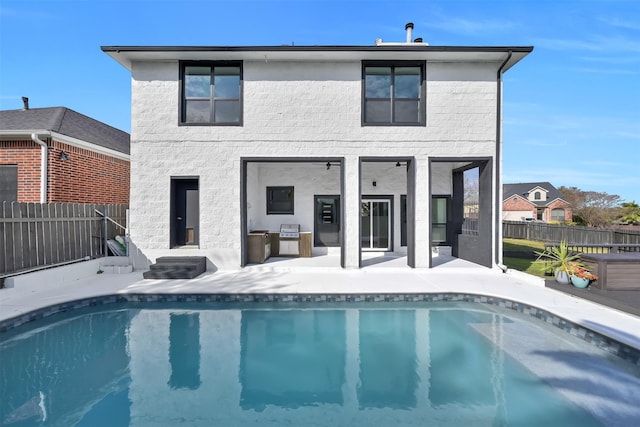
(361, 148)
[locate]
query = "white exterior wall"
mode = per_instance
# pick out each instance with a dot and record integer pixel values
(298, 110)
(307, 179)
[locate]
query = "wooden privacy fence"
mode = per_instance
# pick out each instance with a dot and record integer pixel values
(34, 235)
(553, 233)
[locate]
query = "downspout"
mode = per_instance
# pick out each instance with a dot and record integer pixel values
(44, 161)
(498, 203)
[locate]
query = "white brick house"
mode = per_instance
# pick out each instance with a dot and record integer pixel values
(381, 134)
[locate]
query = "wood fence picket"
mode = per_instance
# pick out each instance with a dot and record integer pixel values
(553, 233)
(34, 235)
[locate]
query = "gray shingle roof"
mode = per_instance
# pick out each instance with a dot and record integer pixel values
(66, 122)
(522, 189)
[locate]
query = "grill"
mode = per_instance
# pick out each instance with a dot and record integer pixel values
(290, 231)
(289, 239)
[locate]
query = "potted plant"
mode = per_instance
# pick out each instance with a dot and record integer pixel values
(558, 259)
(580, 276)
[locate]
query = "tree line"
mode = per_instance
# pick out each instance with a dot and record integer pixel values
(599, 209)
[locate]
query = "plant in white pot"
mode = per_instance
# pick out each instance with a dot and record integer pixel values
(560, 260)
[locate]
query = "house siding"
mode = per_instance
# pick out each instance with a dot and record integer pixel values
(88, 177)
(296, 109)
(515, 208)
(559, 204)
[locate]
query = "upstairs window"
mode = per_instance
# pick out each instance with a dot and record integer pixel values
(393, 94)
(211, 93)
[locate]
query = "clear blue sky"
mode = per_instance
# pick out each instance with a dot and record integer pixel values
(571, 108)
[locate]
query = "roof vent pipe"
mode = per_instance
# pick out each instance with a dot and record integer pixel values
(409, 28)
(25, 103)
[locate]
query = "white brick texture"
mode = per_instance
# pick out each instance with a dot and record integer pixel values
(303, 110)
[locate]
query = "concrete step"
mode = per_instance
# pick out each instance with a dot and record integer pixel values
(117, 269)
(116, 265)
(176, 268)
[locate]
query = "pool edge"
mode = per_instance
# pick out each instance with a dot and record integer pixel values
(588, 334)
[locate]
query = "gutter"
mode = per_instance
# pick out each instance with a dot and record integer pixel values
(4, 134)
(89, 146)
(44, 161)
(498, 192)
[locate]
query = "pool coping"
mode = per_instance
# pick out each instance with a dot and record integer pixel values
(610, 345)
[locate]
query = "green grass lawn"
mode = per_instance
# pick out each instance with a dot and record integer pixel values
(526, 265)
(522, 245)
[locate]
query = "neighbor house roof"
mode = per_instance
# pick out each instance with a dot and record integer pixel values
(523, 190)
(66, 122)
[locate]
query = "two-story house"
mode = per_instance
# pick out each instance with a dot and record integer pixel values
(539, 201)
(364, 147)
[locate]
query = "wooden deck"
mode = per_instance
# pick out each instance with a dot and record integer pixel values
(615, 271)
(598, 248)
(627, 301)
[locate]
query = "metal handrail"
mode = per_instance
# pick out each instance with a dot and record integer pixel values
(106, 241)
(109, 219)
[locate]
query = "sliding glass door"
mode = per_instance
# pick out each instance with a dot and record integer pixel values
(375, 219)
(439, 220)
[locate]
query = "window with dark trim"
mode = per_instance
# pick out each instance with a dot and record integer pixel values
(393, 93)
(8, 183)
(279, 200)
(211, 93)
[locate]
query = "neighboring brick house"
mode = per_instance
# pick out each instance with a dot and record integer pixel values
(364, 146)
(83, 160)
(538, 201)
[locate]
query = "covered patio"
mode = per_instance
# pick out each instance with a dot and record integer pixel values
(352, 210)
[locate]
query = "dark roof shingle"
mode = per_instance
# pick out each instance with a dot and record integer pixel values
(522, 189)
(66, 122)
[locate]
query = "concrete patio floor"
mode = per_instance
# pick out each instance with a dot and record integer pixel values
(379, 275)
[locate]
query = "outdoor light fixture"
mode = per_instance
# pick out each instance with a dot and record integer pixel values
(328, 165)
(64, 156)
(397, 164)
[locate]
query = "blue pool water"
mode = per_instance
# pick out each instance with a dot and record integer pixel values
(448, 364)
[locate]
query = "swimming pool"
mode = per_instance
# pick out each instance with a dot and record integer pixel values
(299, 363)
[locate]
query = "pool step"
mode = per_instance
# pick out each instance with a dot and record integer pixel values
(168, 267)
